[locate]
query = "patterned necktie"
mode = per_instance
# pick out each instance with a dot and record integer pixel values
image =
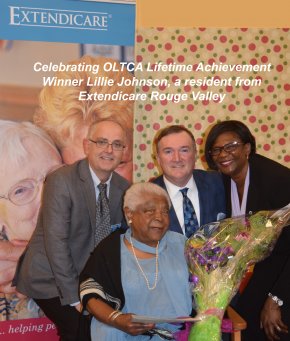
(190, 219)
(103, 226)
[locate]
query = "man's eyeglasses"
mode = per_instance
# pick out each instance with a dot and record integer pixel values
(228, 148)
(104, 143)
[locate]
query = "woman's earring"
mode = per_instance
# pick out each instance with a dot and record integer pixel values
(129, 221)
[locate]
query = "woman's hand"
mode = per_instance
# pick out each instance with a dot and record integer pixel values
(271, 320)
(124, 323)
(104, 313)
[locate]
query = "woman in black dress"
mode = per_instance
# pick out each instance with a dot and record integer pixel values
(253, 183)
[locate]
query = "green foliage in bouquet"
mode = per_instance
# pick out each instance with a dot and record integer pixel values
(218, 255)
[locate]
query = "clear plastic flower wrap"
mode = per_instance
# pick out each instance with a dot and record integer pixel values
(218, 255)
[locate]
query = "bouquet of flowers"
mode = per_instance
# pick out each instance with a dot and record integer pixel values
(218, 255)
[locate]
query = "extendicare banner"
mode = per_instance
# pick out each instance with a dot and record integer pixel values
(68, 21)
(42, 33)
(28, 329)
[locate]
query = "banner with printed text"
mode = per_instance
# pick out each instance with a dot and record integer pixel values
(54, 55)
(199, 76)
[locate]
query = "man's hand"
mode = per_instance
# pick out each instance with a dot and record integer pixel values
(9, 255)
(271, 320)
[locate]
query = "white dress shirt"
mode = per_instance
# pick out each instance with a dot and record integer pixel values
(176, 198)
(96, 181)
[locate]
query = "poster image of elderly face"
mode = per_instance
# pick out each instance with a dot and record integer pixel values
(42, 126)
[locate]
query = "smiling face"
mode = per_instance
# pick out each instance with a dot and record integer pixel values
(18, 222)
(150, 219)
(104, 160)
(75, 151)
(176, 156)
(233, 163)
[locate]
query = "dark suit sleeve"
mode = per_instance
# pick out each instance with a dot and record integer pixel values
(269, 184)
(271, 187)
(220, 197)
(279, 185)
(56, 228)
(211, 196)
(282, 285)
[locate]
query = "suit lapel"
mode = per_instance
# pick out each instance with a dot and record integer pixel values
(202, 190)
(88, 190)
(115, 196)
(174, 222)
(253, 193)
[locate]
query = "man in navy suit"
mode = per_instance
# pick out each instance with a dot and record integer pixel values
(176, 154)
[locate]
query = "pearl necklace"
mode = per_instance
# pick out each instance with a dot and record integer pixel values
(141, 270)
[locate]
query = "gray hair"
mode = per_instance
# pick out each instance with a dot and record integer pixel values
(12, 136)
(135, 194)
(98, 121)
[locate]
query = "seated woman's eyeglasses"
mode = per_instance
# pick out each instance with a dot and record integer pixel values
(228, 148)
(104, 143)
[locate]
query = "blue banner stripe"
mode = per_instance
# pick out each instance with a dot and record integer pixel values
(68, 21)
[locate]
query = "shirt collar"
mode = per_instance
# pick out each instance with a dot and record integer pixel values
(173, 190)
(96, 180)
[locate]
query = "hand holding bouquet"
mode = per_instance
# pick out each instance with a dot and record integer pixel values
(218, 255)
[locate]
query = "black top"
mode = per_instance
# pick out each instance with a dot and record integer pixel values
(269, 188)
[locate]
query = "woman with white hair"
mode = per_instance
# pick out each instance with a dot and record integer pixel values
(142, 271)
(27, 155)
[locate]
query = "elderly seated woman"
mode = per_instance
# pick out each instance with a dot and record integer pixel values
(142, 271)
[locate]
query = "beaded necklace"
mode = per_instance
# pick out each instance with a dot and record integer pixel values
(141, 270)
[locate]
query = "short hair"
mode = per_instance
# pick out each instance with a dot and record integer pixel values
(61, 113)
(173, 129)
(232, 126)
(98, 121)
(134, 195)
(12, 148)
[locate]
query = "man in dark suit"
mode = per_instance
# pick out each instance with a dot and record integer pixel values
(176, 154)
(67, 231)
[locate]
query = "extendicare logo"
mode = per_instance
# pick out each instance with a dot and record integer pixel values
(54, 18)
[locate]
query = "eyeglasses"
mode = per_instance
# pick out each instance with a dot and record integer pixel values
(24, 192)
(104, 143)
(228, 148)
